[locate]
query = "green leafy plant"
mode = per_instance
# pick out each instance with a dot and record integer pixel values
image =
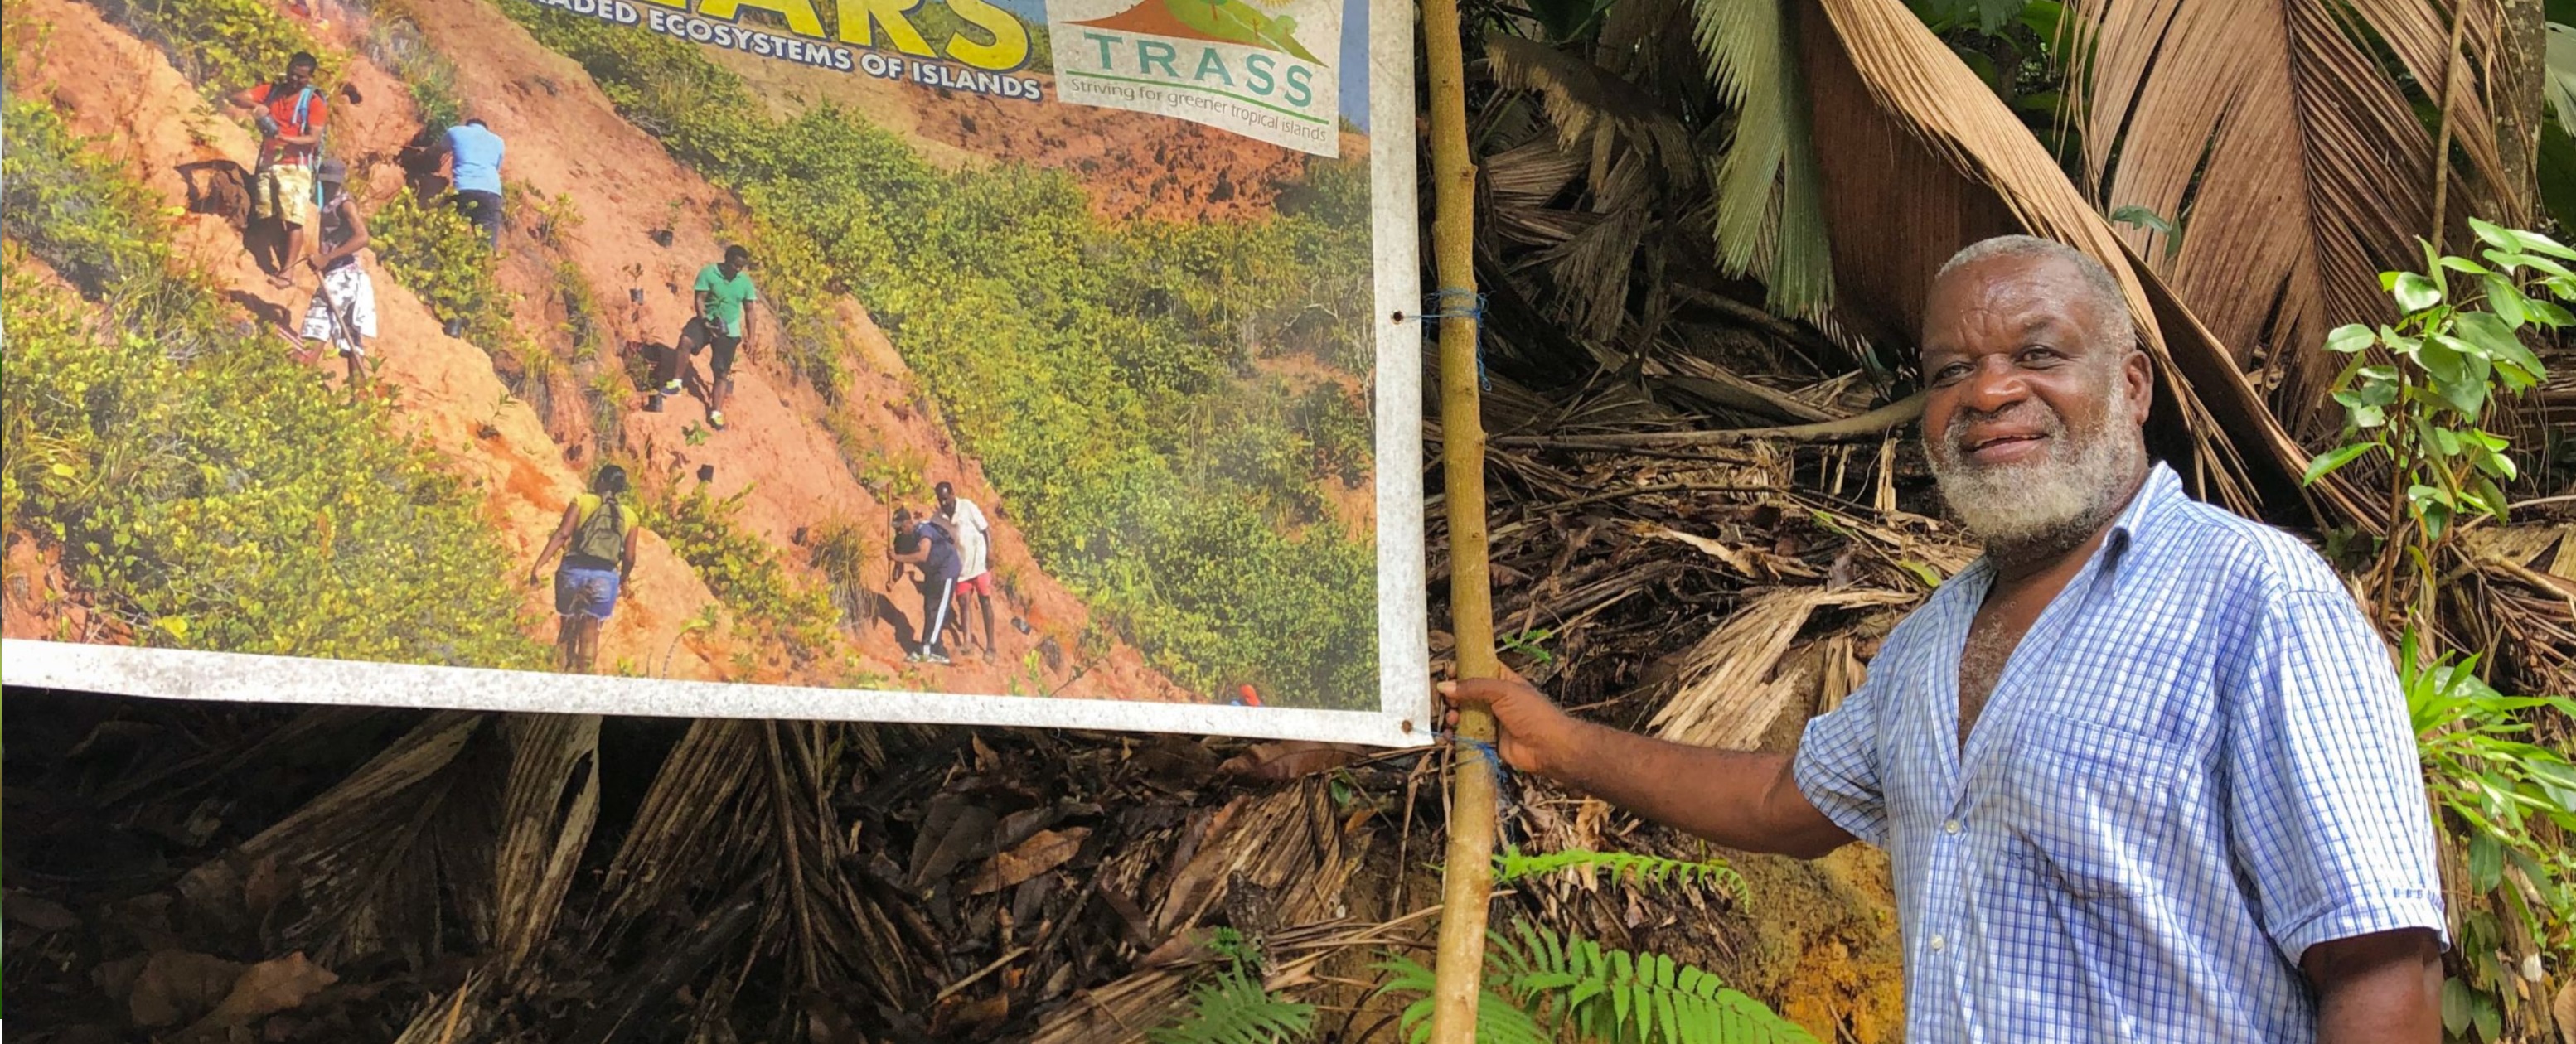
(394, 42)
(197, 488)
(2416, 396)
(742, 570)
(1541, 987)
(433, 250)
(553, 218)
(1512, 864)
(2446, 361)
(582, 327)
(1233, 1007)
(1531, 643)
(225, 45)
(2513, 802)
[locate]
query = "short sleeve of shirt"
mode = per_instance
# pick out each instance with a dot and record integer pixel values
(1837, 765)
(2325, 797)
(708, 277)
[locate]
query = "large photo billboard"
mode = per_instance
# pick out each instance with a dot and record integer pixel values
(1035, 362)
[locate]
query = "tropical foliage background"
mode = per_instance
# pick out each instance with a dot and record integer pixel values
(1704, 227)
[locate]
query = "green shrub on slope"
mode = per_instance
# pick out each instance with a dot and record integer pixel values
(742, 570)
(432, 249)
(225, 45)
(200, 484)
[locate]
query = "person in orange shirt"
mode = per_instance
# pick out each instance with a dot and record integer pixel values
(291, 114)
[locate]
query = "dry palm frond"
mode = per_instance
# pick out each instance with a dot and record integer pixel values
(2296, 166)
(1123, 1011)
(2520, 596)
(1592, 107)
(1730, 686)
(1519, 182)
(1284, 847)
(549, 804)
(363, 860)
(1592, 268)
(1770, 217)
(688, 806)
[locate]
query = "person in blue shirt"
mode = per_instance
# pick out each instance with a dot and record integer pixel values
(934, 549)
(473, 166)
(2143, 772)
(471, 158)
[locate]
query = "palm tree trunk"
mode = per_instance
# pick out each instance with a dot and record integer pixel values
(2518, 89)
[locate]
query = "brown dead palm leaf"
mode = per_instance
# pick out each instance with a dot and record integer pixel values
(2291, 158)
(548, 806)
(1920, 158)
(1731, 685)
(739, 812)
(1593, 109)
(365, 864)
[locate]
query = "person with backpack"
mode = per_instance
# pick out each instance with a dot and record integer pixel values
(597, 538)
(721, 292)
(291, 114)
(343, 310)
(934, 549)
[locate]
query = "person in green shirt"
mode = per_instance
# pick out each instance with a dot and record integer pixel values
(722, 290)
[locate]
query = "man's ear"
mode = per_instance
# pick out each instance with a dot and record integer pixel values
(2139, 382)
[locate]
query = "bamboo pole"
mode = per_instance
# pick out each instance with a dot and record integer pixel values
(1468, 878)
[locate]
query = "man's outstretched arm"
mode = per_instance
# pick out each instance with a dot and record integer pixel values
(1739, 799)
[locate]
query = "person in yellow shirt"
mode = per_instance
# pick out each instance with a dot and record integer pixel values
(597, 538)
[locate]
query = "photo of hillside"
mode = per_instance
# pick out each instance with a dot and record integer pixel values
(746, 368)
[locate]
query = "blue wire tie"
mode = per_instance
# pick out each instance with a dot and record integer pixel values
(1437, 306)
(1505, 801)
(1493, 756)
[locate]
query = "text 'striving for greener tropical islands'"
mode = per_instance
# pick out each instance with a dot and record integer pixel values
(1240, 65)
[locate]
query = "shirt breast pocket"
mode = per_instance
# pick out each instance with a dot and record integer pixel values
(2099, 810)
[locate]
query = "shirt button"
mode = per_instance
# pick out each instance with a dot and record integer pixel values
(1938, 943)
(1950, 827)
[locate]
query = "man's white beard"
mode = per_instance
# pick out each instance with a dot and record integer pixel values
(2063, 494)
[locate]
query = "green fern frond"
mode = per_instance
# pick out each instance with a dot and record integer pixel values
(1638, 868)
(1234, 1009)
(1499, 1019)
(1243, 951)
(1541, 987)
(1591, 992)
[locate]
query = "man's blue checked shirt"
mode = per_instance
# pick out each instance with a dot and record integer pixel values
(2196, 765)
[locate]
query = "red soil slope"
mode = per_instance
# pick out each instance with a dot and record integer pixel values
(565, 139)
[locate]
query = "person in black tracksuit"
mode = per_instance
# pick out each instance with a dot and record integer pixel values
(935, 551)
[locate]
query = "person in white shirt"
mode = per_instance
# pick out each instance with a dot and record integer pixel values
(974, 556)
